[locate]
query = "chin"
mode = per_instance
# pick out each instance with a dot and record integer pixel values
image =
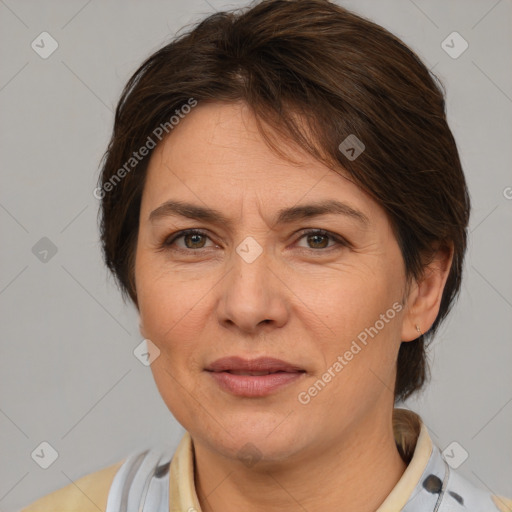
(262, 440)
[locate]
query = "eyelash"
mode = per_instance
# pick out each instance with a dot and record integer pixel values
(169, 241)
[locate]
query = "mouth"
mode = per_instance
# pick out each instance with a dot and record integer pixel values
(253, 378)
(254, 374)
(261, 365)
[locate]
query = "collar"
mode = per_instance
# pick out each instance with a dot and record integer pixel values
(151, 481)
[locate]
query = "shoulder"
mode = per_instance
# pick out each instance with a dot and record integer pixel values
(503, 504)
(88, 493)
(469, 496)
(456, 492)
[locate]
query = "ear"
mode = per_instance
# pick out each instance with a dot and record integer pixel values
(424, 296)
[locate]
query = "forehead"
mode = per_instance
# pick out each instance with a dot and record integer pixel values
(216, 154)
(225, 136)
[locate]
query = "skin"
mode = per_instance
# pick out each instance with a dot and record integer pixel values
(303, 300)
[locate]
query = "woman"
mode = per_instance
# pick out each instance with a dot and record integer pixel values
(283, 201)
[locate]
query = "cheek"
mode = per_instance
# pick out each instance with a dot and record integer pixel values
(363, 313)
(178, 393)
(354, 298)
(172, 313)
(169, 302)
(171, 320)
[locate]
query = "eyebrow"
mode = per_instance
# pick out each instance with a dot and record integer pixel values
(284, 216)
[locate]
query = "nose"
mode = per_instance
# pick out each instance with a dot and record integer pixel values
(254, 297)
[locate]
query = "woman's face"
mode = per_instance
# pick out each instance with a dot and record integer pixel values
(261, 280)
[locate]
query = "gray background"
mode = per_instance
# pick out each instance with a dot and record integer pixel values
(68, 375)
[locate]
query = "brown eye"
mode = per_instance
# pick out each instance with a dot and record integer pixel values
(192, 240)
(319, 239)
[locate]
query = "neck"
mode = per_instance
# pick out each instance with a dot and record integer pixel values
(356, 474)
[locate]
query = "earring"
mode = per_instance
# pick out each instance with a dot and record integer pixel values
(419, 330)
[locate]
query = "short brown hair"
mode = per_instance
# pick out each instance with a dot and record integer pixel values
(316, 73)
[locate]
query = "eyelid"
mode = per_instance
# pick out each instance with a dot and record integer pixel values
(170, 239)
(338, 239)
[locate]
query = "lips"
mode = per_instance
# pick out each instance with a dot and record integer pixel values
(253, 377)
(261, 365)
